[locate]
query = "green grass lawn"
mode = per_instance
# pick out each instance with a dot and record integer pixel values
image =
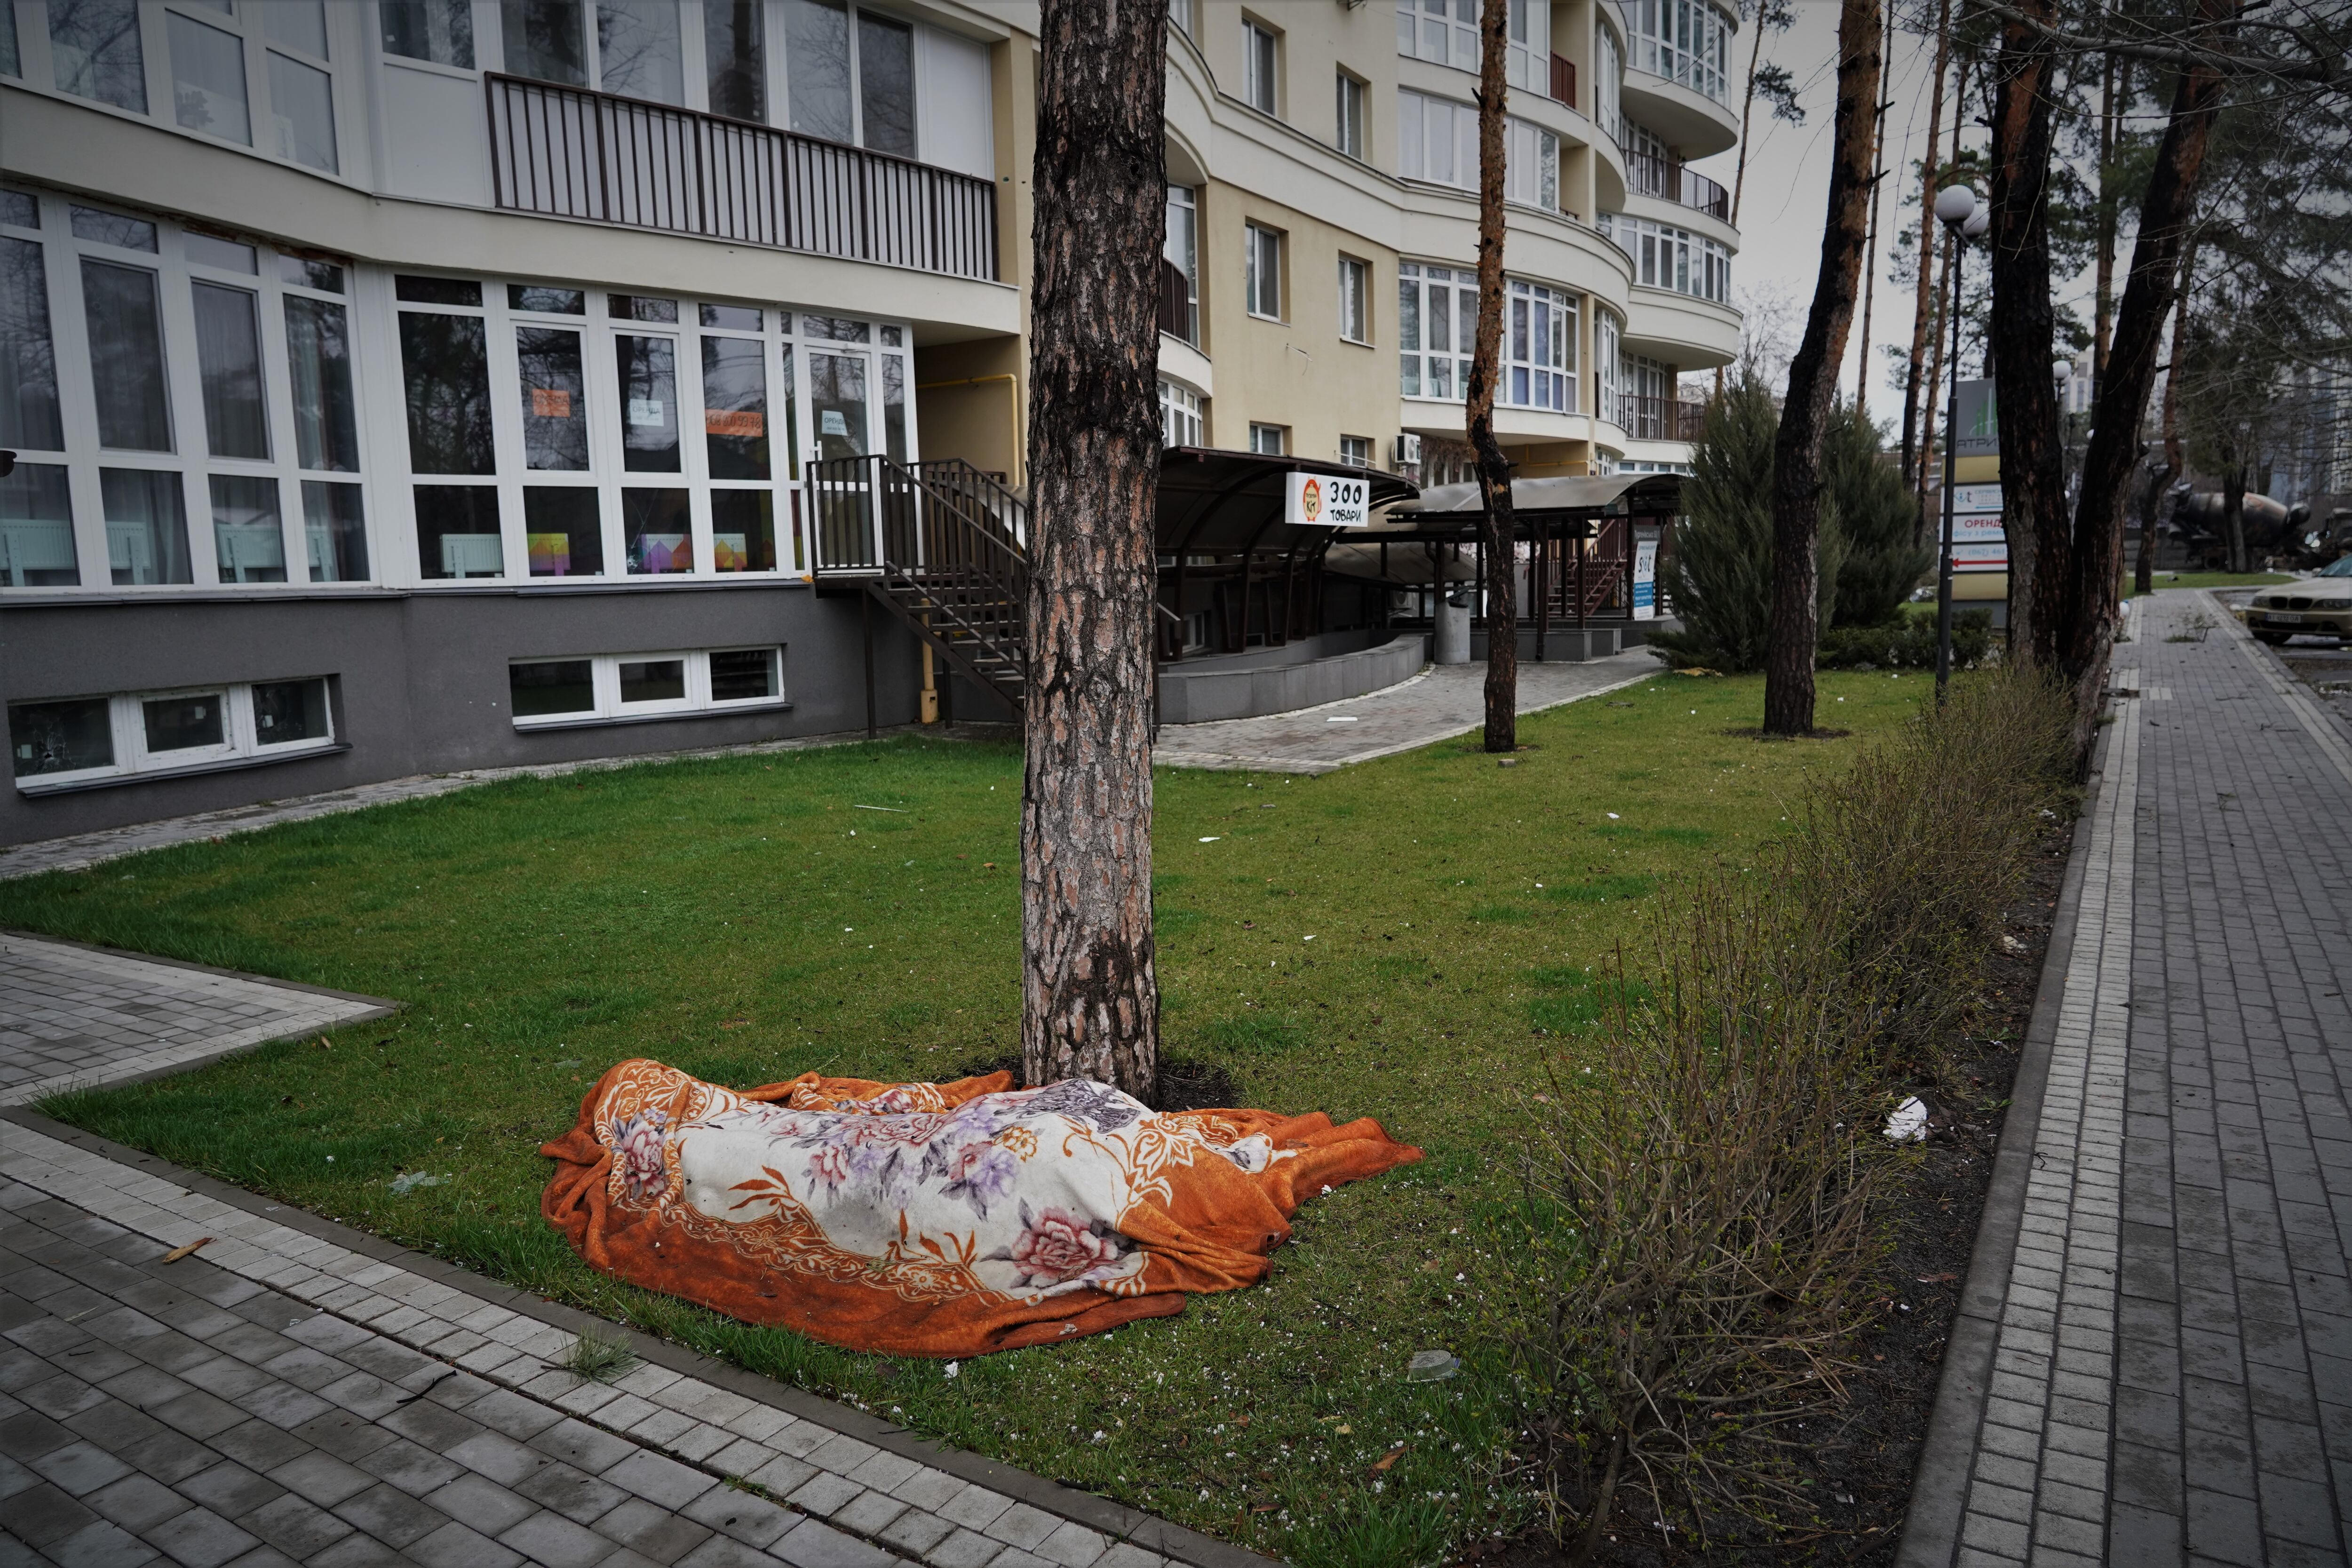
(2208, 580)
(744, 920)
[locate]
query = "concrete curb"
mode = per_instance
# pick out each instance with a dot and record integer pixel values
(1116, 1519)
(1940, 1486)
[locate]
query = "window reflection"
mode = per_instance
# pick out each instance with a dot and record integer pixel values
(816, 52)
(648, 368)
(563, 532)
(248, 541)
(146, 526)
(319, 356)
(126, 356)
(544, 39)
(731, 48)
(658, 528)
(28, 363)
(228, 360)
(735, 406)
(885, 83)
(94, 50)
(554, 411)
(448, 394)
(637, 49)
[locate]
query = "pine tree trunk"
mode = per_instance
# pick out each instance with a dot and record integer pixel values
(1870, 263)
(2114, 78)
(2161, 506)
(2160, 270)
(2233, 513)
(1922, 331)
(1814, 378)
(1090, 1002)
(2023, 333)
(1494, 469)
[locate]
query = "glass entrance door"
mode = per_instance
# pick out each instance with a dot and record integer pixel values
(841, 430)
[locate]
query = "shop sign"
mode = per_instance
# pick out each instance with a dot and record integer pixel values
(1328, 500)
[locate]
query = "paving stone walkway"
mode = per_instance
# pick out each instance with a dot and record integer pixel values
(2153, 1361)
(71, 1014)
(299, 1392)
(1443, 700)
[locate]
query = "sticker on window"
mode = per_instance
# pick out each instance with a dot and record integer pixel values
(747, 423)
(647, 411)
(550, 402)
(833, 424)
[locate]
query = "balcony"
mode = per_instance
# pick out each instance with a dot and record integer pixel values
(1646, 174)
(564, 152)
(1179, 317)
(1659, 418)
(1563, 80)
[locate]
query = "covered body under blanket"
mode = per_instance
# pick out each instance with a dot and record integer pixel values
(935, 1219)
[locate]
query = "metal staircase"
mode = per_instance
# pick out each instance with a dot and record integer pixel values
(939, 544)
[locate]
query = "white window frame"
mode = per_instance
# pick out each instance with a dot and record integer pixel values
(1530, 165)
(791, 441)
(1261, 274)
(1261, 66)
(240, 744)
(1671, 258)
(1423, 367)
(1428, 126)
(1182, 250)
(1181, 422)
(1357, 451)
(1349, 95)
(1608, 361)
(1685, 41)
(1539, 346)
(177, 271)
(1529, 67)
(1443, 32)
(1277, 434)
(1355, 300)
(605, 675)
(1607, 104)
(776, 61)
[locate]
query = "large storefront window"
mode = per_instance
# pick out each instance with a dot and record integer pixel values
(207, 375)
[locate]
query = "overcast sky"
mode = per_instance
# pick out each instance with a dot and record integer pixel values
(1786, 198)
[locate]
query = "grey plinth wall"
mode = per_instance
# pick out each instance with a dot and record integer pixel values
(1193, 696)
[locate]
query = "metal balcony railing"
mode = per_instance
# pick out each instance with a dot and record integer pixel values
(1177, 313)
(1648, 419)
(1647, 174)
(1563, 80)
(567, 152)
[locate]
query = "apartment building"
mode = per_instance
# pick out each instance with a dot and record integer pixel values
(412, 385)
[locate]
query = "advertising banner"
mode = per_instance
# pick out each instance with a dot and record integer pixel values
(1646, 579)
(1979, 431)
(1328, 500)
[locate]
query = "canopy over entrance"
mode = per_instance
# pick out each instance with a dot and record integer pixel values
(1215, 502)
(1445, 508)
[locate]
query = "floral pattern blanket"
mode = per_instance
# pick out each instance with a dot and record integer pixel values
(942, 1219)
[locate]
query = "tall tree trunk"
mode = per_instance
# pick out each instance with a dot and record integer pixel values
(1870, 262)
(1922, 332)
(1747, 110)
(2022, 335)
(1090, 1000)
(2115, 78)
(2233, 510)
(2161, 506)
(2160, 266)
(1485, 360)
(1814, 380)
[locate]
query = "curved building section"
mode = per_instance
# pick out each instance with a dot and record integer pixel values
(1301, 273)
(412, 386)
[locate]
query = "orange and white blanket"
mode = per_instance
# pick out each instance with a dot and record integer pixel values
(936, 1219)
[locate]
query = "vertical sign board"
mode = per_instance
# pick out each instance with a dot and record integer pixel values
(1645, 575)
(1328, 500)
(1979, 541)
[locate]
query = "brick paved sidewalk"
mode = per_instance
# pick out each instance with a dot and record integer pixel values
(71, 1014)
(1440, 702)
(2153, 1360)
(298, 1391)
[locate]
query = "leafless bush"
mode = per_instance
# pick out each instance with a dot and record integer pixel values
(1701, 1224)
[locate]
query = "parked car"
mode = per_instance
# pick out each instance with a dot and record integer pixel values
(2320, 606)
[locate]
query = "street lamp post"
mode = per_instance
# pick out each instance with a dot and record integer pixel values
(1957, 206)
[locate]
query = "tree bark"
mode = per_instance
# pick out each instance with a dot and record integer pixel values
(2160, 268)
(1814, 380)
(2023, 335)
(1090, 1000)
(1918, 392)
(1870, 262)
(2115, 78)
(2161, 506)
(1747, 109)
(1494, 469)
(2233, 511)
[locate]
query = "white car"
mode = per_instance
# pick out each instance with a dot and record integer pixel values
(2314, 606)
